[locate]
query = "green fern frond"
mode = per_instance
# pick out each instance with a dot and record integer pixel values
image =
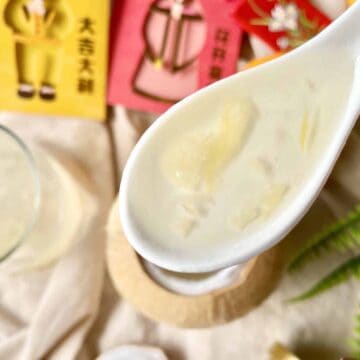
(349, 269)
(355, 339)
(341, 236)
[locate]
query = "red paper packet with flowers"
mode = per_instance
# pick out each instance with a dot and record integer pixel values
(282, 24)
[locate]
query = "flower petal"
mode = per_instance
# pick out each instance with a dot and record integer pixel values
(291, 24)
(278, 13)
(282, 42)
(292, 10)
(276, 26)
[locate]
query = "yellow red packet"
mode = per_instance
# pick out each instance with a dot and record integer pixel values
(54, 57)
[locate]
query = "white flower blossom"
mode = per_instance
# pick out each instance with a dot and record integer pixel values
(284, 18)
(36, 7)
(283, 42)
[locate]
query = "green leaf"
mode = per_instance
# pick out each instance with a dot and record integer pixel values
(354, 341)
(341, 236)
(304, 21)
(294, 33)
(349, 269)
(295, 42)
(261, 22)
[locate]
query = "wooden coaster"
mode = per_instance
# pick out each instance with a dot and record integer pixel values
(257, 281)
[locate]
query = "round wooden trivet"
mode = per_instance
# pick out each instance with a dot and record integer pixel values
(257, 281)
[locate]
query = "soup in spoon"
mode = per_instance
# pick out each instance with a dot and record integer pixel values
(218, 170)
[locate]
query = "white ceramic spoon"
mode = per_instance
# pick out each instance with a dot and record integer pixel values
(335, 51)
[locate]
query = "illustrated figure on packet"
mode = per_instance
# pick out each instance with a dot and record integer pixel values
(39, 30)
(169, 49)
(174, 35)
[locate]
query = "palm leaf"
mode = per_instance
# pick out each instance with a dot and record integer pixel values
(355, 340)
(341, 236)
(349, 269)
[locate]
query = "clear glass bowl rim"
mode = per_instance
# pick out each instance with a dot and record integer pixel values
(36, 184)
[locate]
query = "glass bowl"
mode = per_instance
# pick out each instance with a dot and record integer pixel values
(19, 192)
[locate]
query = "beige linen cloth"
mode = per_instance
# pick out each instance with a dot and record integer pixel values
(48, 313)
(71, 311)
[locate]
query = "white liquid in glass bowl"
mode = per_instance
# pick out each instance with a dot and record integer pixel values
(42, 205)
(19, 192)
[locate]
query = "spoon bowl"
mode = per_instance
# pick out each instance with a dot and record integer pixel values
(321, 78)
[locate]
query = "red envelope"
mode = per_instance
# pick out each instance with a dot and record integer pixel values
(282, 24)
(163, 50)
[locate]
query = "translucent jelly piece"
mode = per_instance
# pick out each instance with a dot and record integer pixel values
(307, 130)
(195, 161)
(263, 166)
(272, 199)
(241, 220)
(184, 226)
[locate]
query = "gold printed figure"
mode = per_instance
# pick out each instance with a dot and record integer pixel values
(39, 28)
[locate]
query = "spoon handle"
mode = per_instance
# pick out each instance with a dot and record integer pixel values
(346, 30)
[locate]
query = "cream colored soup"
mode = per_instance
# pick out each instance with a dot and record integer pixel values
(214, 177)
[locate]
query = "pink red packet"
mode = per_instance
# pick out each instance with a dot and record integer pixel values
(163, 50)
(282, 24)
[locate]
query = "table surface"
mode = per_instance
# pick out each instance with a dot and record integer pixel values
(315, 328)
